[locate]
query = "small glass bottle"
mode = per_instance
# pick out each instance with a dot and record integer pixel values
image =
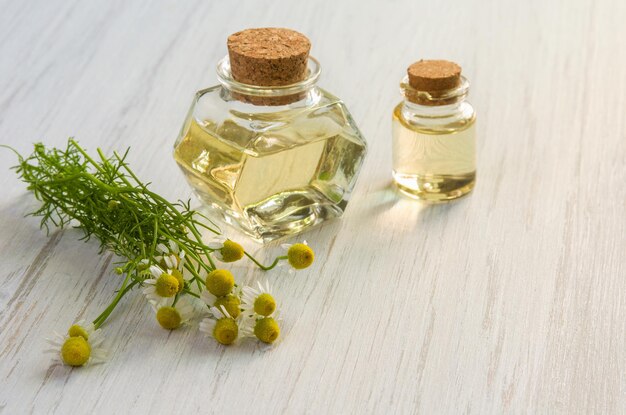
(267, 149)
(434, 144)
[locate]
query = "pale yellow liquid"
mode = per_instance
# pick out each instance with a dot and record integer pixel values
(433, 165)
(275, 184)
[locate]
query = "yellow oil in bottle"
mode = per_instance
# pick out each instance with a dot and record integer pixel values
(434, 164)
(274, 183)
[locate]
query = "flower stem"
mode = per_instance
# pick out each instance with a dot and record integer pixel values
(187, 291)
(266, 267)
(122, 291)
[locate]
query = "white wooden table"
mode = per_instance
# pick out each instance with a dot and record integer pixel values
(512, 300)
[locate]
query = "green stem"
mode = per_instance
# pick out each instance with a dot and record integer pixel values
(208, 256)
(191, 293)
(122, 291)
(266, 267)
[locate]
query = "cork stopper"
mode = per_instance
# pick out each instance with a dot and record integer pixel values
(434, 75)
(268, 56)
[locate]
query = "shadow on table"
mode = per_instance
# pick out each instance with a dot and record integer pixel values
(386, 205)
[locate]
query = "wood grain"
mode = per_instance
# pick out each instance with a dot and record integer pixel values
(512, 300)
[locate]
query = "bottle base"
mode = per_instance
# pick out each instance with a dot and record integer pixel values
(435, 188)
(280, 216)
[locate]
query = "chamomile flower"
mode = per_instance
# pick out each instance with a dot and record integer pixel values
(162, 284)
(299, 255)
(230, 302)
(221, 326)
(220, 282)
(266, 329)
(258, 301)
(261, 315)
(171, 257)
(171, 316)
(226, 250)
(80, 346)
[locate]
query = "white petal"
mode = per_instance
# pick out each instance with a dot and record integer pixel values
(155, 271)
(276, 315)
(162, 248)
(173, 247)
(207, 326)
(185, 309)
(216, 312)
(247, 308)
(220, 312)
(174, 261)
(225, 312)
(246, 326)
(98, 356)
(90, 328)
(159, 302)
(250, 292)
(215, 245)
(207, 297)
(96, 338)
(54, 343)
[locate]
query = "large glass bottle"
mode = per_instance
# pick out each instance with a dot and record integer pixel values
(272, 160)
(434, 143)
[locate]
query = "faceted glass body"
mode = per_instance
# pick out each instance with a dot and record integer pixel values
(271, 171)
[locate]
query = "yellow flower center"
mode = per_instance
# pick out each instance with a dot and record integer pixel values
(179, 277)
(169, 318)
(220, 282)
(226, 331)
(75, 351)
(78, 331)
(267, 330)
(300, 256)
(231, 251)
(231, 303)
(264, 304)
(166, 285)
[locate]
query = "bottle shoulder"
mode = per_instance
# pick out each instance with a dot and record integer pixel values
(261, 129)
(435, 120)
(219, 98)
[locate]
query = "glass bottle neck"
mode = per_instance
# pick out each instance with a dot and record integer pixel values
(303, 93)
(435, 105)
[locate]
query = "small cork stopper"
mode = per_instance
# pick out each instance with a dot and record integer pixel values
(434, 75)
(268, 56)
